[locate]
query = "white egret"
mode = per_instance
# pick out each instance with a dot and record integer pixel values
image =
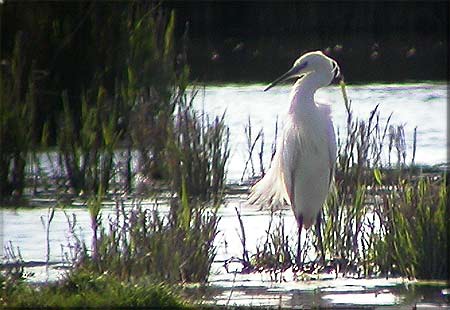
(303, 166)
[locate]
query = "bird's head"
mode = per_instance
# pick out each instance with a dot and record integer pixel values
(326, 67)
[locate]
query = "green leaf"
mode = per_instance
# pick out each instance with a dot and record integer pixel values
(378, 176)
(186, 211)
(344, 95)
(168, 37)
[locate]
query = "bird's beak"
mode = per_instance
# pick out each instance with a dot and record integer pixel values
(293, 72)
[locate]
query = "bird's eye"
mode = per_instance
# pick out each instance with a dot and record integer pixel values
(302, 65)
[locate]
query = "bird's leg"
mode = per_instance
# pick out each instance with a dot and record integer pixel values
(319, 239)
(298, 259)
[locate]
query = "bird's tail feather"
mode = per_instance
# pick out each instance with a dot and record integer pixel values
(270, 191)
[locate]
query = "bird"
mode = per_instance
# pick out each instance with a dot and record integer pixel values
(302, 169)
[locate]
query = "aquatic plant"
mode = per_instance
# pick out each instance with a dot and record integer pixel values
(46, 222)
(178, 246)
(88, 156)
(17, 118)
(414, 229)
(251, 148)
(276, 252)
(155, 84)
(251, 144)
(145, 112)
(247, 265)
(345, 209)
(380, 219)
(197, 153)
(12, 270)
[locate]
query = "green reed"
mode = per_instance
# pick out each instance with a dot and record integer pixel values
(414, 229)
(275, 253)
(17, 118)
(88, 156)
(141, 242)
(153, 86)
(375, 216)
(147, 117)
(197, 152)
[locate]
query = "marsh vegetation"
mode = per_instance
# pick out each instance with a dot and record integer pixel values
(380, 217)
(129, 131)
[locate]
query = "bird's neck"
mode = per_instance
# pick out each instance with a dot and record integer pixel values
(303, 92)
(312, 82)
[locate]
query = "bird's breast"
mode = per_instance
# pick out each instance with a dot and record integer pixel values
(312, 136)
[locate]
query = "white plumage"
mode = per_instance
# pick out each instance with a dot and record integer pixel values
(303, 165)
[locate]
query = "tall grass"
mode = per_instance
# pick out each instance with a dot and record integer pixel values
(15, 272)
(377, 211)
(276, 252)
(175, 247)
(414, 228)
(153, 86)
(88, 155)
(151, 115)
(17, 118)
(346, 207)
(252, 149)
(136, 116)
(197, 153)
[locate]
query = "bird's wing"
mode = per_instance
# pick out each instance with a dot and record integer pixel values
(326, 115)
(290, 157)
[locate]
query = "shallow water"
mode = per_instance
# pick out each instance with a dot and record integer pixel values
(421, 105)
(24, 228)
